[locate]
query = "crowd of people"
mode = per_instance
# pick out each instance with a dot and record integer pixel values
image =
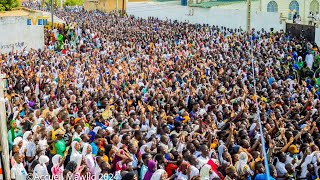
(113, 96)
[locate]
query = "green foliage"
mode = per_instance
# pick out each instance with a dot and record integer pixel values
(7, 5)
(2, 8)
(73, 2)
(56, 3)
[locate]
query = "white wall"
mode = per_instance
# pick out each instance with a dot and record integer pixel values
(14, 32)
(283, 7)
(230, 18)
(317, 36)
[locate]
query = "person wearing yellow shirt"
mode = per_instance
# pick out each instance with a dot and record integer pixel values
(137, 138)
(52, 139)
(48, 111)
(186, 117)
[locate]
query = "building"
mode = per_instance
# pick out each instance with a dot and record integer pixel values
(16, 32)
(288, 7)
(23, 28)
(138, 0)
(105, 5)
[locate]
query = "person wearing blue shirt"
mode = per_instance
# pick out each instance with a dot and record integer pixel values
(94, 144)
(144, 168)
(262, 175)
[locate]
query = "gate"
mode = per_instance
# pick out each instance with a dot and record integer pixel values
(300, 30)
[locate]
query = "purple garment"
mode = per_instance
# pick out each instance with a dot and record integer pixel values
(115, 161)
(117, 164)
(151, 169)
(91, 163)
(31, 104)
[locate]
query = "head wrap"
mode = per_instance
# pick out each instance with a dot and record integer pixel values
(43, 159)
(243, 160)
(157, 175)
(205, 171)
(34, 129)
(151, 166)
(13, 135)
(26, 135)
(84, 149)
(17, 140)
(56, 159)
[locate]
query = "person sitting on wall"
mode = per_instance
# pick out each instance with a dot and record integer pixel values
(295, 17)
(298, 20)
(311, 18)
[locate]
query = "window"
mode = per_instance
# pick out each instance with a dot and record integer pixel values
(272, 7)
(294, 5)
(314, 7)
(294, 8)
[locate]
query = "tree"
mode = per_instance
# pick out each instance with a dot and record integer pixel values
(7, 5)
(73, 2)
(56, 3)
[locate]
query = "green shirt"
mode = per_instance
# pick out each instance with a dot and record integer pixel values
(60, 147)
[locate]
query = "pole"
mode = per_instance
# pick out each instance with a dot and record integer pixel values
(248, 15)
(52, 14)
(266, 163)
(3, 130)
(117, 5)
(61, 4)
(123, 8)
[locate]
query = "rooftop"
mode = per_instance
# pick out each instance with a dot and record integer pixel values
(21, 11)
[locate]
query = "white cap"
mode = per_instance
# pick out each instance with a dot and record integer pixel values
(27, 88)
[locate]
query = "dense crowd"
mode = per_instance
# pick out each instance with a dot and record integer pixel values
(120, 97)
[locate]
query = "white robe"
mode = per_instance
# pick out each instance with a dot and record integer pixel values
(41, 171)
(75, 155)
(309, 60)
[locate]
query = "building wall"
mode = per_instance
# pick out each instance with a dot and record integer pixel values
(105, 5)
(137, 0)
(90, 5)
(214, 16)
(230, 18)
(17, 34)
(283, 7)
(110, 5)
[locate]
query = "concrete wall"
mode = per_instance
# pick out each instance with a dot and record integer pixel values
(110, 5)
(105, 5)
(14, 32)
(230, 18)
(317, 37)
(90, 5)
